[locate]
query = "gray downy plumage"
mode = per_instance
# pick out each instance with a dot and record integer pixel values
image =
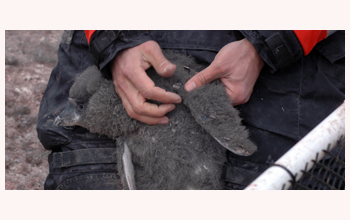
(187, 153)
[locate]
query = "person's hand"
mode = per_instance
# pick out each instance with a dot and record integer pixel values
(238, 65)
(134, 86)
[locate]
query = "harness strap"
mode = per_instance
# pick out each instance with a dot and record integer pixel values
(239, 175)
(83, 157)
(279, 49)
(101, 42)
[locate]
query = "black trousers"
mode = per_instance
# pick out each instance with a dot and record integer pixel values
(283, 108)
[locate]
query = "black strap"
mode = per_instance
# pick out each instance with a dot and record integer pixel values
(101, 42)
(292, 176)
(272, 163)
(84, 157)
(239, 175)
(279, 50)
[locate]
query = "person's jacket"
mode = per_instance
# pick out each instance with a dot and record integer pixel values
(278, 49)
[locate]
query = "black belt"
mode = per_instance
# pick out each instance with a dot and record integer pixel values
(83, 157)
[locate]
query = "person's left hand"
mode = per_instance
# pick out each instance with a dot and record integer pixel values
(238, 64)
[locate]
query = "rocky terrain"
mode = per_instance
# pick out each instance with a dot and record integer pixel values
(29, 59)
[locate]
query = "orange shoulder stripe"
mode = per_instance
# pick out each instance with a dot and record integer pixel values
(309, 38)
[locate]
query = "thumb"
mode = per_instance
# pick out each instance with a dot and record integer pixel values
(204, 77)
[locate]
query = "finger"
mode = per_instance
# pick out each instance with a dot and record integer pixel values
(154, 55)
(142, 107)
(149, 119)
(204, 77)
(147, 88)
(142, 118)
(138, 103)
(238, 96)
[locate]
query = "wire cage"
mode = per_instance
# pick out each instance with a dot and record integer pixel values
(327, 174)
(316, 162)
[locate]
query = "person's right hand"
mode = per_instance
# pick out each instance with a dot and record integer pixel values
(134, 87)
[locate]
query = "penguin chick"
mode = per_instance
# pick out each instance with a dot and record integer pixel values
(187, 153)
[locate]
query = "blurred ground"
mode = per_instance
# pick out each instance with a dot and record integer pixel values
(29, 58)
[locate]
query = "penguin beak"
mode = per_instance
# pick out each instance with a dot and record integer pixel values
(70, 116)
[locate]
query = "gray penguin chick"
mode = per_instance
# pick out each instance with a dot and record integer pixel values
(187, 153)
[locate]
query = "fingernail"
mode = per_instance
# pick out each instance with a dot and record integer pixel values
(178, 100)
(172, 107)
(165, 69)
(164, 122)
(169, 69)
(190, 86)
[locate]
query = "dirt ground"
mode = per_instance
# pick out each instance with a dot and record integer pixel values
(29, 58)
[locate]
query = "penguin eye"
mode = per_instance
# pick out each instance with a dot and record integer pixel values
(80, 107)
